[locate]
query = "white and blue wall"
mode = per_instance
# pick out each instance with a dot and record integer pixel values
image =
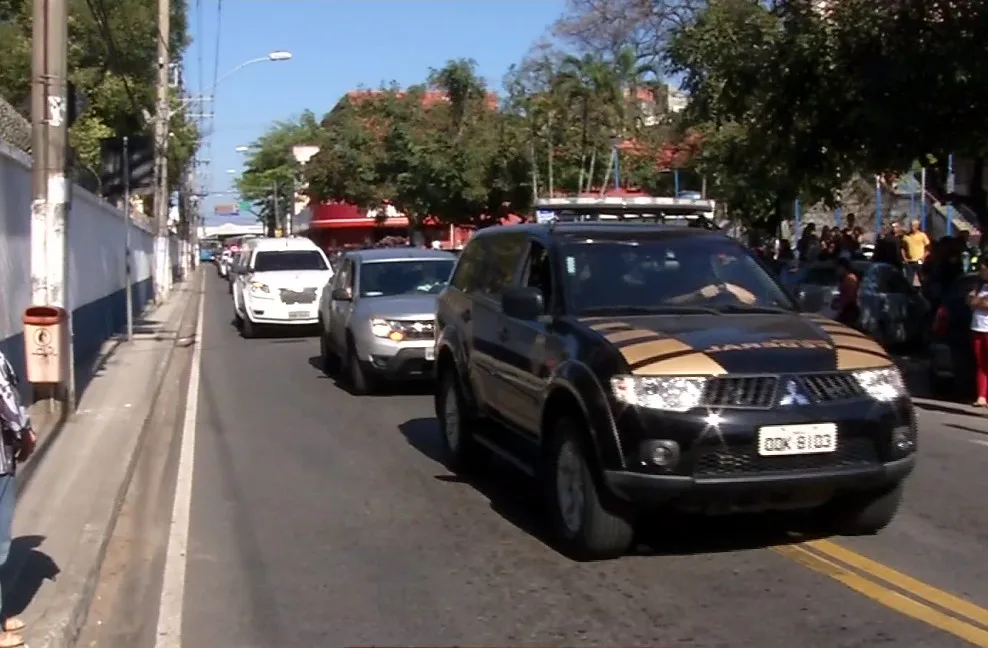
(97, 295)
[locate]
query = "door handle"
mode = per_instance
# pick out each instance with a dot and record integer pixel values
(502, 335)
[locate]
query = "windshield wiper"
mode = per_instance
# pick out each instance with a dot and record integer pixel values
(650, 310)
(751, 308)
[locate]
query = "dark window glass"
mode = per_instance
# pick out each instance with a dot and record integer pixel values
(406, 277)
(468, 267)
(538, 273)
(289, 260)
(709, 272)
(504, 251)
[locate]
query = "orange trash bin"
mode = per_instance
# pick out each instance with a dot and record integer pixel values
(45, 339)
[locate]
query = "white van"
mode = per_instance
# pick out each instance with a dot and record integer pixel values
(278, 281)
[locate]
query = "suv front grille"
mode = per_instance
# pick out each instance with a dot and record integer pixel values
(761, 392)
(718, 461)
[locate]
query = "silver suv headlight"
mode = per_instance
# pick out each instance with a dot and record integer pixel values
(885, 384)
(670, 393)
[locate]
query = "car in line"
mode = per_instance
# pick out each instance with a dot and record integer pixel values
(278, 282)
(376, 318)
(640, 371)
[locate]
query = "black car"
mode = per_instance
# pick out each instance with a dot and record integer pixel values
(641, 369)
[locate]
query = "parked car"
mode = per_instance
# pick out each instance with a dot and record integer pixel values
(640, 371)
(951, 357)
(278, 281)
(377, 318)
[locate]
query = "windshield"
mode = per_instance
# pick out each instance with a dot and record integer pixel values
(407, 277)
(289, 260)
(686, 272)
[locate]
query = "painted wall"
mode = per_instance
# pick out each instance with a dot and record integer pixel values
(97, 265)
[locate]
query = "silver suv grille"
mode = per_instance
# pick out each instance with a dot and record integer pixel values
(417, 330)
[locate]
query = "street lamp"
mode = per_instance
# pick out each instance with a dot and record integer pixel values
(231, 171)
(277, 55)
(243, 149)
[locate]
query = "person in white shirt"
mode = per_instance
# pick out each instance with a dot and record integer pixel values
(977, 299)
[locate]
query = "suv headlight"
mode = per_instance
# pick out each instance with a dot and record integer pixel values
(389, 329)
(259, 288)
(670, 393)
(884, 384)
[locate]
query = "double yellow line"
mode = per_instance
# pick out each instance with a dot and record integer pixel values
(893, 589)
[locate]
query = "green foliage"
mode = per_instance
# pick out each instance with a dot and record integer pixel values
(112, 55)
(439, 150)
(271, 169)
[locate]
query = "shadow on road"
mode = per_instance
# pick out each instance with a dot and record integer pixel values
(381, 388)
(517, 498)
(26, 569)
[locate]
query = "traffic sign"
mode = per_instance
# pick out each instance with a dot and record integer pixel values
(245, 206)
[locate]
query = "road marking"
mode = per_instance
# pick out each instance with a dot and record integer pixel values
(169, 632)
(916, 587)
(885, 596)
(980, 442)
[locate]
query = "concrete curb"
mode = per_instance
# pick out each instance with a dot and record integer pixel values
(64, 631)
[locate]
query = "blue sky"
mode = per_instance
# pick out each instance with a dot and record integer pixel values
(339, 45)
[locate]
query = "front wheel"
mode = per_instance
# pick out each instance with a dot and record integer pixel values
(248, 329)
(328, 357)
(866, 513)
(583, 523)
(360, 382)
(460, 449)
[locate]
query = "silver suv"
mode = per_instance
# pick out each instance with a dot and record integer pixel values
(377, 315)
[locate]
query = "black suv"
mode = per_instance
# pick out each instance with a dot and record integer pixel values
(641, 368)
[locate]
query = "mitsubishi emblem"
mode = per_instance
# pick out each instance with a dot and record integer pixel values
(793, 395)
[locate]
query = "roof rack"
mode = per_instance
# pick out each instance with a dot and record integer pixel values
(645, 209)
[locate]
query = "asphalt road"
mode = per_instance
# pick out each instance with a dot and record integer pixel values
(320, 518)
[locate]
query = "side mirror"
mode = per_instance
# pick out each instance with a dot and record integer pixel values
(523, 303)
(340, 294)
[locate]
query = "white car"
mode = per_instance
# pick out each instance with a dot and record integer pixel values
(278, 281)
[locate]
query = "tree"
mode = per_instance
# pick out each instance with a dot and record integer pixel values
(113, 66)
(271, 171)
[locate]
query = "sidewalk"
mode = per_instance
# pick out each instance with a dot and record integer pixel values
(67, 507)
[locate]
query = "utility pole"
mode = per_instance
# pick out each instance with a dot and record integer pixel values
(161, 267)
(129, 254)
(51, 184)
(277, 217)
(290, 214)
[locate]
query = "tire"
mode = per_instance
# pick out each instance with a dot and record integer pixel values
(358, 379)
(862, 514)
(461, 452)
(330, 361)
(248, 329)
(940, 387)
(584, 524)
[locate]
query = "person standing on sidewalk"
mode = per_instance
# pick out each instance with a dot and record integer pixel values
(915, 247)
(977, 299)
(17, 445)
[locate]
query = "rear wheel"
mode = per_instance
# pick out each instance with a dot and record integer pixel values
(584, 522)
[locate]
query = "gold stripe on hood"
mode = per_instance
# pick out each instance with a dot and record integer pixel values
(848, 359)
(652, 350)
(693, 364)
(634, 334)
(855, 343)
(607, 326)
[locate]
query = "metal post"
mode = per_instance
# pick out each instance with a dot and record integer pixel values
(950, 194)
(128, 254)
(277, 217)
(675, 179)
(162, 269)
(703, 188)
(912, 195)
(617, 169)
(922, 197)
(51, 183)
(290, 215)
(796, 217)
(838, 212)
(878, 205)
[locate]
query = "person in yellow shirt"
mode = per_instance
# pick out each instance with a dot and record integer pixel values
(915, 247)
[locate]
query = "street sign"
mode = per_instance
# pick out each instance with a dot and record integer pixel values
(244, 206)
(226, 210)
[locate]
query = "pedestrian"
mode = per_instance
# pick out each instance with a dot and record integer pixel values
(846, 302)
(18, 440)
(915, 247)
(977, 299)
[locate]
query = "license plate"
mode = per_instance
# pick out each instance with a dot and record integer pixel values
(298, 315)
(430, 353)
(782, 440)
